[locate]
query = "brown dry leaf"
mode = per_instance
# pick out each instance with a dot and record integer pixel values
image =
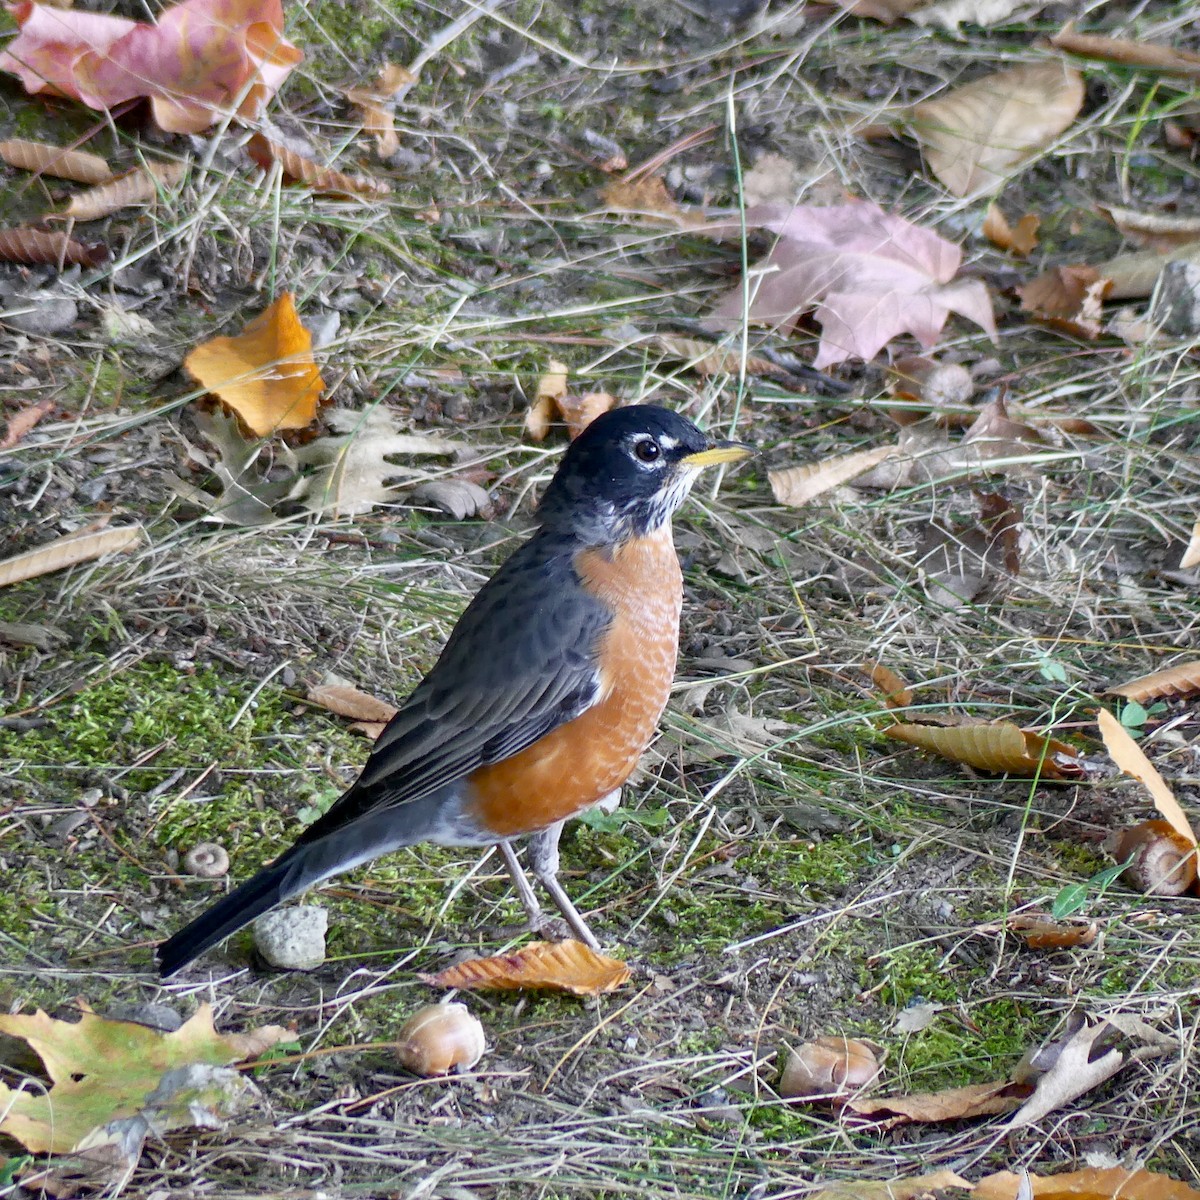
(376, 106)
(1133, 276)
(1191, 556)
(1122, 50)
(1130, 758)
(23, 245)
(142, 185)
(580, 411)
(828, 1067)
(325, 180)
(76, 165)
(950, 14)
(1092, 1183)
(977, 135)
(68, 551)
(796, 486)
(336, 695)
(24, 422)
(918, 1187)
(647, 197)
(707, 359)
(266, 374)
(1183, 679)
(1020, 239)
(551, 388)
(1154, 231)
(1000, 747)
(1068, 298)
(953, 1104)
(567, 966)
(1162, 862)
(896, 693)
(1040, 931)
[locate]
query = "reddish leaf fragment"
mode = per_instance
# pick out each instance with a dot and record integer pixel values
(1040, 931)
(23, 422)
(1183, 679)
(828, 1068)
(326, 180)
(1020, 238)
(567, 966)
(25, 245)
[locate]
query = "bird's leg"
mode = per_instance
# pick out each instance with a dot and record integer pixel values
(543, 857)
(529, 902)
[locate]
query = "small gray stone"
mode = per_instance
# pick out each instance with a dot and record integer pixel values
(156, 1016)
(1176, 303)
(42, 312)
(293, 938)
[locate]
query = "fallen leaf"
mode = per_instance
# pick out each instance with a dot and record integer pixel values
(796, 486)
(103, 1071)
(1039, 931)
(705, 358)
(326, 180)
(353, 467)
(567, 966)
(887, 11)
(918, 1187)
(551, 388)
(1020, 239)
(24, 422)
(950, 14)
(24, 245)
(1183, 679)
(1122, 50)
(266, 374)
(978, 135)
(458, 498)
(1074, 1073)
(647, 197)
(1091, 1183)
(201, 61)
(377, 106)
(1191, 556)
(1162, 861)
(953, 1104)
(1155, 231)
(68, 551)
(896, 693)
(1068, 298)
(1134, 276)
(1131, 759)
(1000, 747)
(76, 165)
(337, 695)
(142, 185)
(868, 276)
(580, 411)
(828, 1068)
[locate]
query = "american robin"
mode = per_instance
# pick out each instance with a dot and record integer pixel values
(545, 696)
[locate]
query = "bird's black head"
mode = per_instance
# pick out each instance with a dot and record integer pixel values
(627, 473)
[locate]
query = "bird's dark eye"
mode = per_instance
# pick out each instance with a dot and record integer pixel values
(647, 450)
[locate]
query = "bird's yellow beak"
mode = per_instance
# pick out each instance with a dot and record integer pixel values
(718, 452)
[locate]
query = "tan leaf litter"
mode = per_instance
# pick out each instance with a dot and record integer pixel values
(1161, 860)
(79, 166)
(23, 245)
(1155, 231)
(977, 135)
(139, 186)
(266, 374)
(1191, 556)
(1020, 238)
(1183, 679)
(952, 1104)
(68, 551)
(1090, 1183)
(1000, 747)
(567, 966)
(1040, 931)
(796, 486)
(1153, 55)
(551, 388)
(1067, 297)
(302, 169)
(377, 106)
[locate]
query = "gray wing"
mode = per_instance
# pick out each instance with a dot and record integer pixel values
(520, 662)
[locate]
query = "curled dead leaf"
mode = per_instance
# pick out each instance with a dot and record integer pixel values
(1162, 862)
(567, 966)
(1068, 298)
(896, 693)
(828, 1067)
(266, 374)
(298, 167)
(796, 486)
(24, 245)
(1191, 555)
(338, 696)
(953, 1104)
(76, 165)
(1040, 931)
(1000, 747)
(377, 104)
(1123, 50)
(68, 551)
(1020, 238)
(1091, 1183)
(551, 388)
(1159, 231)
(142, 185)
(1183, 679)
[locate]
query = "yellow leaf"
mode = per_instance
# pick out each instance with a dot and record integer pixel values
(1183, 679)
(266, 375)
(1001, 747)
(1092, 1183)
(977, 135)
(1128, 755)
(568, 966)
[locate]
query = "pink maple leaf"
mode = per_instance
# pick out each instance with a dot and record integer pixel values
(866, 274)
(203, 60)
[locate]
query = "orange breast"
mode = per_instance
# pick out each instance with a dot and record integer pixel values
(582, 761)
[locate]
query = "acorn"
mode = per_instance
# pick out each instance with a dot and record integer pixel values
(828, 1068)
(440, 1038)
(1162, 862)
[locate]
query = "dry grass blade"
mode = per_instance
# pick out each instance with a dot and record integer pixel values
(68, 551)
(35, 246)
(312, 174)
(1131, 759)
(76, 165)
(139, 186)
(796, 486)
(1122, 50)
(1003, 748)
(1183, 679)
(567, 966)
(977, 135)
